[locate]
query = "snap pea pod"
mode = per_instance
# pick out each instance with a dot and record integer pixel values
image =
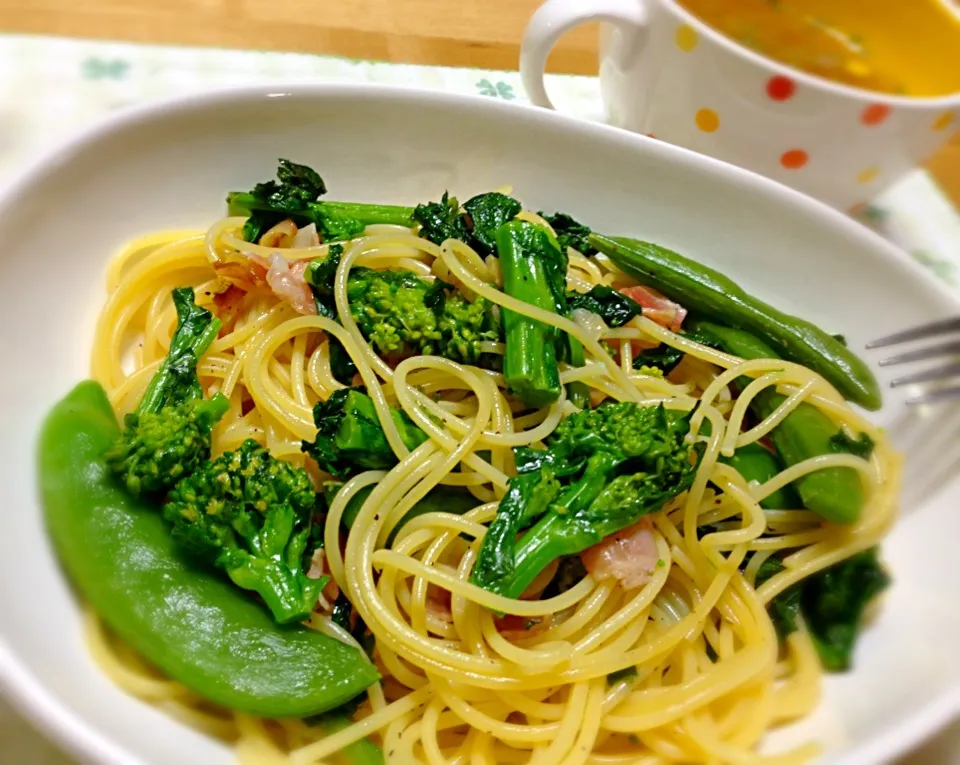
(756, 463)
(191, 624)
(709, 293)
(836, 494)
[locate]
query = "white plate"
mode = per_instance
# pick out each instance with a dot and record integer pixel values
(169, 166)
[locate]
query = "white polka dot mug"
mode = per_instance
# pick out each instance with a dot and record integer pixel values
(666, 74)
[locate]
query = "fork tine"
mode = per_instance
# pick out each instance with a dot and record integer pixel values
(923, 353)
(917, 333)
(933, 397)
(925, 375)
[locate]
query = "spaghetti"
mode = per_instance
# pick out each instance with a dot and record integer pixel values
(685, 668)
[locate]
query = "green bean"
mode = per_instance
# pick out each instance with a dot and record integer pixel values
(710, 294)
(191, 624)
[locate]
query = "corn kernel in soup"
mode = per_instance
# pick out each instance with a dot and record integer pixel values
(864, 45)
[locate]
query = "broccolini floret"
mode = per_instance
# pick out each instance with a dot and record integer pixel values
(168, 435)
(400, 314)
(349, 437)
(250, 514)
(601, 472)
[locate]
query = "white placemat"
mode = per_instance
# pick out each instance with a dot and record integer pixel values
(51, 87)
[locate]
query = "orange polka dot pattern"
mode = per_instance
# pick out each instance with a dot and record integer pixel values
(874, 114)
(781, 88)
(686, 38)
(707, 120)
(943, 121)
(794, 159)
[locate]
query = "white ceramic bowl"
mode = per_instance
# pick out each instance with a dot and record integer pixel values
(168, 166)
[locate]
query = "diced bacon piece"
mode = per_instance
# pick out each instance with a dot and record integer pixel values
(630, 556)
(288, 284)
(656, 307)
(283, 277)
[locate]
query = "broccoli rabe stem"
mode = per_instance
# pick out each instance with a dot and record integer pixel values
(334, 220)
(527, 498)
(176, 381)
(530, 360)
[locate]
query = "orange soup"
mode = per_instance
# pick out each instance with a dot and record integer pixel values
(905, 48)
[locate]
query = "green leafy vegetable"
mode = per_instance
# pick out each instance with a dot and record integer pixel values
(628, 674)
(615, 308)
(295, 195)
(570, 233)
(400, 314)
(784, 609)
(349, 437)
(665, 357)
(320, 276)
(168, 435)
(831, 602)
(440, 499)
(861, 446)
(475, 225)
(250, 514)
(602, 471)
(443, 220)
(487, 212)
(258, 224)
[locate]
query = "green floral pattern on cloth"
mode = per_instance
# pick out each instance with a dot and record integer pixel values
(94, 68)
(498, 89)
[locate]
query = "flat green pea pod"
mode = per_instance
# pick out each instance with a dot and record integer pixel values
(708, 293)
(756, 463)
(194, 626)
(836, 494)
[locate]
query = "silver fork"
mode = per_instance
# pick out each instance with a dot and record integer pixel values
(927, 435)
(941, 373)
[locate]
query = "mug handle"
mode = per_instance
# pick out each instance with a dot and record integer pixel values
(554, 19)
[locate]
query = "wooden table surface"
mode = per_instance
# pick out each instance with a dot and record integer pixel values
(481, 33)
